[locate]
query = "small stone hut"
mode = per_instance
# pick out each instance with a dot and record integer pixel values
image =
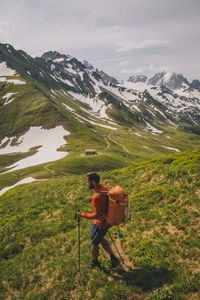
(90, 152)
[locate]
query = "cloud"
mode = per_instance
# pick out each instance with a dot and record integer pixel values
(4, 28)
(132, 71)
(133, 45)
(149, 69)
(153, 68)
(121, 60)
(125, 62)
(120, 37)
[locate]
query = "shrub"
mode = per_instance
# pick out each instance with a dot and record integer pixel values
(145, 199)
(12, 250)
(161, 294)
(168, 160)
(147, 254)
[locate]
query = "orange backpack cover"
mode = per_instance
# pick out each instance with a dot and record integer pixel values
(117, 203)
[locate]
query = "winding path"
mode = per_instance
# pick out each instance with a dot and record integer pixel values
(111, 140)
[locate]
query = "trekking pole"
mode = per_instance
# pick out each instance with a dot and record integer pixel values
(79, 242)
(116, 247)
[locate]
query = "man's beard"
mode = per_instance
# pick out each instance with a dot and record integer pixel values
(91, 186)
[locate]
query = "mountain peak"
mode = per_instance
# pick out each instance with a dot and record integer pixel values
(195, 84)
(170, 80)
(105, 77)
(49, 55)
(88, 65)
(52, 55)
(138, 78)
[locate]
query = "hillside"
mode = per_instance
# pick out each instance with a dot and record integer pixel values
(146, 135)
(56, 93)
(38, 239)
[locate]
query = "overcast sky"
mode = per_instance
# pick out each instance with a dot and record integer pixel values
(121, 37)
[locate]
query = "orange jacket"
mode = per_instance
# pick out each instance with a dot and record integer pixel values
(99, 203)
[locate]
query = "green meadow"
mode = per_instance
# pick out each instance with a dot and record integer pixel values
(160, 247)
(38, 232)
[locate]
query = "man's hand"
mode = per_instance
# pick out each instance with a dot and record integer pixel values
(103, 217)
(79, 215)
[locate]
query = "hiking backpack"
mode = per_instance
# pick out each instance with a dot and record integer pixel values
(117, 208)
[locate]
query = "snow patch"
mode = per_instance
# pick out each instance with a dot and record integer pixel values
(69, 108)
(5, 71)
(97, 105)
(138, 86)
(173, 149)
(23, 181)
(70, 70)
(7, 96)
(174, 102)
(160, 112)
(58, 59)
(15, 81)
(66, 81)
(49, 141)
(4, 141)
(106, 126)
(152, 129)
(52, 67)
(81, 75)
(84, 120)
(138, 134)
(167, 77)
(136, 108)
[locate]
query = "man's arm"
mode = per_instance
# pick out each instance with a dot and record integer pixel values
(97, 210)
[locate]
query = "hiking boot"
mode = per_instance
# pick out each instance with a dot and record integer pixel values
(115, 262)
(94, 264)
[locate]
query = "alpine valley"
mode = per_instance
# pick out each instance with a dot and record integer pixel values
(145, 134)
(57, 102)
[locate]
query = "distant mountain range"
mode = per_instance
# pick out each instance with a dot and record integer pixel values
(58, 89)
(168, 79)
(105, 77)
(166, 97)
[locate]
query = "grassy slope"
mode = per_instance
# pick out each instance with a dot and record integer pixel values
(39, 253)
(109, 144)
(118, 149)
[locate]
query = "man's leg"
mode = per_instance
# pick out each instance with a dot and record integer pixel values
(106, 246)
(97, 236)
(95, 251)
(95, 240)
(114, 260)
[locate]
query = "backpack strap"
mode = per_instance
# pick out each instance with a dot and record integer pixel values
(102, 192)
(105, 193)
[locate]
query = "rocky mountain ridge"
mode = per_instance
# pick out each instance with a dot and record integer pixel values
(166, 98)
(170, 80)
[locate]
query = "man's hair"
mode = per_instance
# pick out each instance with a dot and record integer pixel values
(93, 176)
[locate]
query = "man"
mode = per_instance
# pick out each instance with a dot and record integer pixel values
(100, 227)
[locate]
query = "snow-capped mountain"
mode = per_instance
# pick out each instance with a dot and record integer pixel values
(195, 84)
(68, 70)
(166, 98)
(138, 78)
(105, 77)
(169, 90)
(169, 79)
(57, 91)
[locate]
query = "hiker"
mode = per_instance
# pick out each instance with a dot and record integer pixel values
(100, 227)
